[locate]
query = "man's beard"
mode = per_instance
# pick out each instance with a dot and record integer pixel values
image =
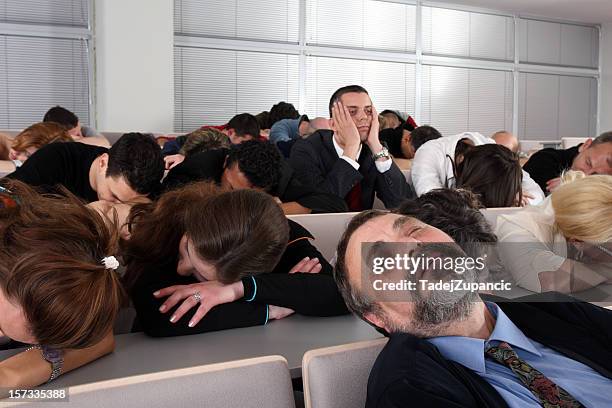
(433, 314)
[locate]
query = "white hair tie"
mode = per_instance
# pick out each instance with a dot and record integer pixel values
(110, 262)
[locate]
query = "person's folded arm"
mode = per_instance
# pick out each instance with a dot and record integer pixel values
(29, 369)
(224, 316)
(310, 294)
(392, 187)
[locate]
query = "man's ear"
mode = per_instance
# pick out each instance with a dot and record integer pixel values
(585, 145)
(103, 163)
(376, 321)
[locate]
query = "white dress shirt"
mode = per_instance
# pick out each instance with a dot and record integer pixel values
(382, 166)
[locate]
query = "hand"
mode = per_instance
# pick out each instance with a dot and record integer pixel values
(525, 199)
(552, 184)
(373, 141)
(212, 293)
(277, 312)
(307, 265)
(173, 160)
(345, 129)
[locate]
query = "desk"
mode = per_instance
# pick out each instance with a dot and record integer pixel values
(136, 353)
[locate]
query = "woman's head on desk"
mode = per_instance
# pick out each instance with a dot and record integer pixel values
(55, 289)
(215, 234)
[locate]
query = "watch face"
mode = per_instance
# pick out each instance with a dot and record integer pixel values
(52, 355)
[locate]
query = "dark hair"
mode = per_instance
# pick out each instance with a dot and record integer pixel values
(492, 172)
(136, 157)
(263, 119)
(344, 90)
(51, 265)
(282, 110)
(422, 135)
(259, 161)
(62, 116)
(392, 138)
(605, 137)
(455, 212)
(225, 228)
(244, 124)
(238, 244)
(356, 301)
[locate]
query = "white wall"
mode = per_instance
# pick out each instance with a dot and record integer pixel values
(134, 66)
(605, 116)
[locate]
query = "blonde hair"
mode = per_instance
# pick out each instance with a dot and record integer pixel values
(583, 206)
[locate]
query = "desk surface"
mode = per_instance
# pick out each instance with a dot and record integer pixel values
(136, 354)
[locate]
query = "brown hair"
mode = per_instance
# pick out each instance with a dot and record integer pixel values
(240, 232)
(204, 139)
(39, 135)
(492, 172)
(51, 264)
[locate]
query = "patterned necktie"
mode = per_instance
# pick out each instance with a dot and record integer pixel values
(549, 393)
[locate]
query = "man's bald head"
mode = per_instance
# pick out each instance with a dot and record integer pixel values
(506, 139)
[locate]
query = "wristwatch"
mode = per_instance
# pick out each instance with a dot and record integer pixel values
(383, 153)
(54, 357)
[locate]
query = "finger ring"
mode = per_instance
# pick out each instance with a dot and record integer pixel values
(197, 296)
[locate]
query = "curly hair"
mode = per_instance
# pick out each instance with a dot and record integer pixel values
(259, 161)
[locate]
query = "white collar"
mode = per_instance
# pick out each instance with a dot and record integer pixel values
(340, 150)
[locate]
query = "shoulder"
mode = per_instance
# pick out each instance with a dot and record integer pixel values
(407, 362)
(297, 232)
(315, 141)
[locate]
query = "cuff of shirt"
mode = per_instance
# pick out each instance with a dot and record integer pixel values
(383, 166)
(250, 288)
(351, 162)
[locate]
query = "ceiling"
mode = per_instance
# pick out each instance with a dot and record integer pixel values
(586, 11)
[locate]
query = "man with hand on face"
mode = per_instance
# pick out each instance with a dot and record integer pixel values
(349, 160)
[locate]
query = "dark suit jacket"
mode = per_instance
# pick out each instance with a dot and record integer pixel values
(411, 371)
(209, 166)
(316, 163)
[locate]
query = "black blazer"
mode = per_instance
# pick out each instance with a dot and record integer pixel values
(411, 371)
(316, 163)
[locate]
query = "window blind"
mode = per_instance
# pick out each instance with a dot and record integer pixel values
(456, 100)
(366, 24)
(546, 42)
(556, 106)
(270, 20)
(213, 85)
(467, 34)
(390, 84)
(37, 73)
(48, 12)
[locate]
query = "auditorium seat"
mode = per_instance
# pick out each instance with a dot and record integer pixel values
(253, 383)
(337, 377)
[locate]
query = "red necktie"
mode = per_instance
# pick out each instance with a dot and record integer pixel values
(353, 198)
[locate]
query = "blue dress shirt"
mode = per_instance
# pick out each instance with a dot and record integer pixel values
(582, 382)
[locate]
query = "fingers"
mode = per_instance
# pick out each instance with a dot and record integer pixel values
(298, 267)
(307, 265)
(175, 298)
(200, 313)
(312, 266)
(167, 291)
(187, 304)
